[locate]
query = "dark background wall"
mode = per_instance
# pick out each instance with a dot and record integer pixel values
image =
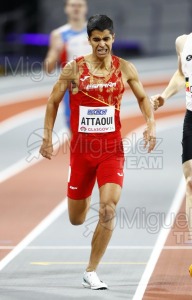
(153, 23)
(143, 27)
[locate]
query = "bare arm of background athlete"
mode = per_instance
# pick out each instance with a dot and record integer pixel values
(130, 76)
(75, 11)
(177, 81)
(55, 48)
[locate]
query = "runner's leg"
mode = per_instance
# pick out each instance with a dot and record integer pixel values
(109, 197)
(78, 210)
(82, 176)
(187, 170)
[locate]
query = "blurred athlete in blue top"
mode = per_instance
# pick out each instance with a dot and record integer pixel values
(68, 42)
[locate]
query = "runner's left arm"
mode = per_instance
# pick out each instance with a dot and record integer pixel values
(144, 104)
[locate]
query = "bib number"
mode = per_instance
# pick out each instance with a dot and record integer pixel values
(96, 119)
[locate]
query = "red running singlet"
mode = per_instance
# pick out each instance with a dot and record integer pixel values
(96, 92)
(96, 145)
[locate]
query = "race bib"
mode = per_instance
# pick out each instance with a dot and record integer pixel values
(96, 119)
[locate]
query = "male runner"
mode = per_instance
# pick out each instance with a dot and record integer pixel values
(97, 84)
(69, 41)
(182, 78)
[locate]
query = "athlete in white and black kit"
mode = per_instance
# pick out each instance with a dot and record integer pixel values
(181, 78)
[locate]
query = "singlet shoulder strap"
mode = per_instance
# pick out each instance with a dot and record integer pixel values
(116, 61)
(82, 66)
(79, 59)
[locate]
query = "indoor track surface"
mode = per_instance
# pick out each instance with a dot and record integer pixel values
(42, 255)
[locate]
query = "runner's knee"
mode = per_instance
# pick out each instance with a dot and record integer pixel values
(76, 220)
(106, 212)
(78, 210)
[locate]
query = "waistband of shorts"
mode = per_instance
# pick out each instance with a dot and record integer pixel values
(94, 136)
(106, 143)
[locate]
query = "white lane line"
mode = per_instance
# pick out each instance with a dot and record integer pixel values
(22, 118)
(23, 164)
(176, 204)
(33, 91)
(162, 125)
(129, 106)
(54, 215)
(25, 96)
(40, 248)
(18, 167)
(51, 263)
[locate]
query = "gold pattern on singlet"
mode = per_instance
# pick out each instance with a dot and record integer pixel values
(113, 99)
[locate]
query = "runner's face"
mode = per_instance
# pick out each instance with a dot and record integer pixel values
(76, 9)
(101, 42)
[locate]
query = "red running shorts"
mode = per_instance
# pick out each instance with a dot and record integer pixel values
(85, 169)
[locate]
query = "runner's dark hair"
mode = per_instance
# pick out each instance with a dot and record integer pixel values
(99, 22)
(66, 2)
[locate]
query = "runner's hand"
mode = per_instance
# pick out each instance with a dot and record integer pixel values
(46, 149)
(157, 101)
(149, 136)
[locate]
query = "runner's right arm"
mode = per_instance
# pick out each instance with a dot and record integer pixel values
(68, 74)
(130, 75)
